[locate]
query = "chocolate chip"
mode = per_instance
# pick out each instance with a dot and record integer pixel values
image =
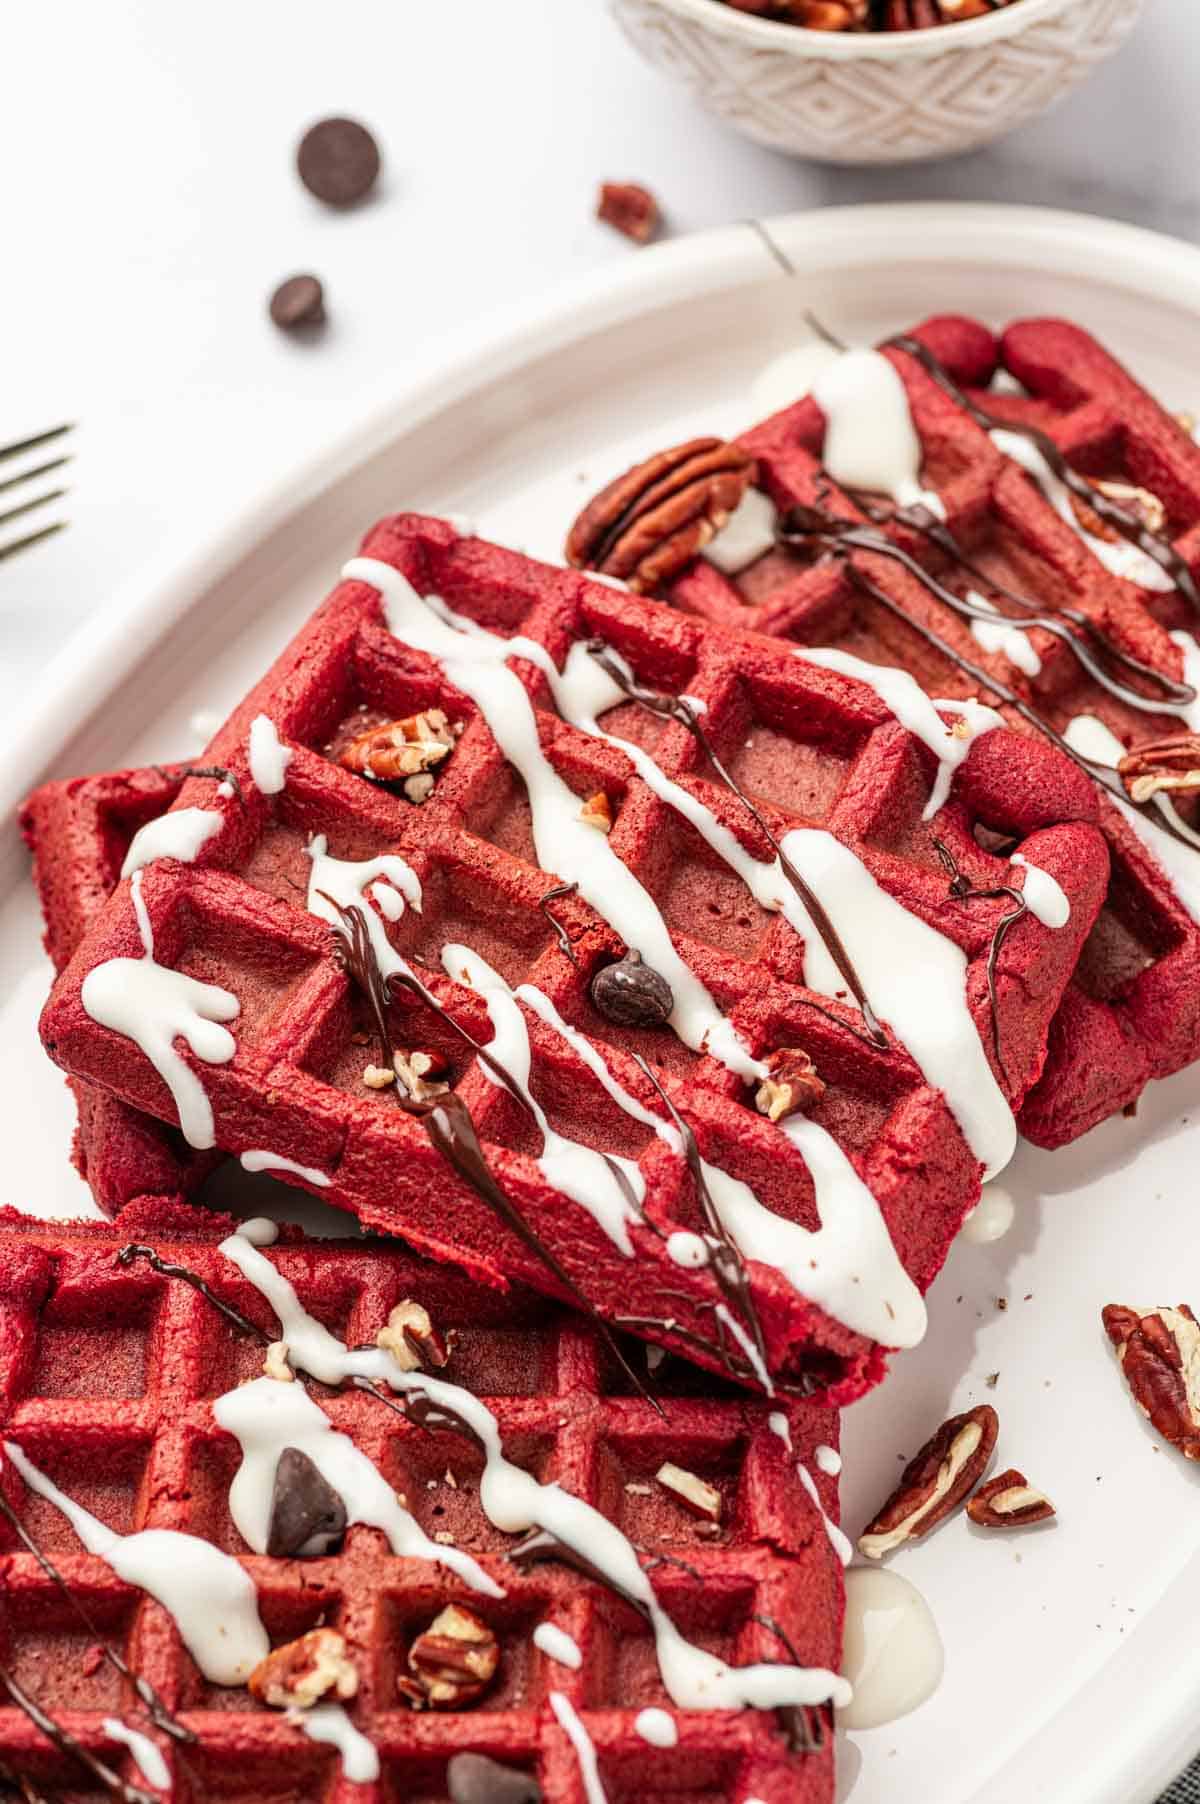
(300, 301)
(631, 994)
(338, 161)
(307, 1515)
(474, 1779)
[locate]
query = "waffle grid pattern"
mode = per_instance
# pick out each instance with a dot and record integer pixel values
(107, 1376)
(1133, 1011)
(811, 747)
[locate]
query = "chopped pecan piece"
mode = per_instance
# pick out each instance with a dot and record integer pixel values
(422, 1074)
(597, 812)
(452, 1663)
(700, 1498)
(300, 1672)
(1162, 765)
(403, 751)
(1141, 503)
(412, 1340)
(650, 522)
(791, 1084)
(1160, 1358)
(1009, 1501)
(935, 1482)
(629, 207)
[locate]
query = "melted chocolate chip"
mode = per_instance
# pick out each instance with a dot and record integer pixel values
(474, 1779)
(338, 161)
(308, 1518)
(631, 994)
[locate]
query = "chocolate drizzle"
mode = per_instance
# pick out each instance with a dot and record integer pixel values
(241, 1322)
(67, 1744)
(560, 932)
(1111, 512)
(801, 526)
(1059, 622)
(963, 890)
(447, 1119)
(674, 707)
(159, 1713)
(217, 771)
(726, 1262)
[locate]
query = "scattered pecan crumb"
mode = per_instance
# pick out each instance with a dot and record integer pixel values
(597, 812)
(275, 1365)
(377, 1077)
(992, 1380)
(413, 1342)
(629, 207)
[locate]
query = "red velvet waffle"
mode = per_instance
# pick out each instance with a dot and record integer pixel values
(1133, 1011)
(107, 1377)
(811, 746)
(79, 831)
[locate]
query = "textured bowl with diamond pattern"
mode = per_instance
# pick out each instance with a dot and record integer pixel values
(889, 97)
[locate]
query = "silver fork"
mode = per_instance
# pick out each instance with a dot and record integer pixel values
(21, 506)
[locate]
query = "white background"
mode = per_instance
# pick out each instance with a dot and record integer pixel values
(150, 204)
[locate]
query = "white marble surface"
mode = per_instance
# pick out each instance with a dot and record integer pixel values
(150, 205)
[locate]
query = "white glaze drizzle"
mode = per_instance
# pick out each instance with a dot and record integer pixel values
(178, 834)
(916, 978)
(1004, 636)
(154, 1006)
(1044, 895)
(329, 1723)
(870, 440)
(656, 1726)
(556, 1644)
(269, 757)
(266, 1416)
(259, 1159)
(901, 692)
(778, 1423)
(892, 1652)
(204, 723)
(689, 1250)
(578, 1171)
(475, 661)
(572, 1726)
(514, 1502)
(1120, 556)
(1191, 674)
(147, 1756)
(839, 1542)
(1089, 736)
(747, 535)
(991, 1218)
(211, 1599)
(828, 1460)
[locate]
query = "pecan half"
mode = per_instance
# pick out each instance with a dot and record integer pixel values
(1141, 503)
(650, 522)
(403, 751)
(1160, 1358)
(452, 1663)
(300, 1672)
(935, 1482)
(629, 207)
(1009, 1501)
(1162, 764)
(791, 1084)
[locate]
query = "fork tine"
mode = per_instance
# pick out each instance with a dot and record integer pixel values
(12, 482)
(31, 538)
(31, 444)
(27, 507)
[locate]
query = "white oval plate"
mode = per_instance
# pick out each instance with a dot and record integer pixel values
(1073, 1662)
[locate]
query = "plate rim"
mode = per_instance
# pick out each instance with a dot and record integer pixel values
(1134, 1765)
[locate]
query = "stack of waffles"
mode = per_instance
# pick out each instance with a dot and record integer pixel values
(666, 956)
